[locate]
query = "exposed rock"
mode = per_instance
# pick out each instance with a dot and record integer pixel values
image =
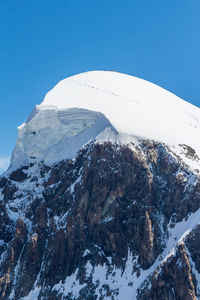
(109, 208)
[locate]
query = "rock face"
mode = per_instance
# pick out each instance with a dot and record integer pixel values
(117, 222)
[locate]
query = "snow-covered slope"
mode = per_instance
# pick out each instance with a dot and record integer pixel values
(133, 106)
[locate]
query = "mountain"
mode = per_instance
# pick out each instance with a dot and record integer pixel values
(102, 196)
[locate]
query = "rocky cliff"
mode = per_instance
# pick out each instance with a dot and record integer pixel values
(102, 226)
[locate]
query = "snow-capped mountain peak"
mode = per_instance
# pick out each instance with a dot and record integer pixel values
(121, 220)
(70, 116)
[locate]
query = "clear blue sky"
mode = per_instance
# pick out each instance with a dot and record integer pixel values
(44, 41)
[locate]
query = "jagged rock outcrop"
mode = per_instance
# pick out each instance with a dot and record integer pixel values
(98, 225)
(177, 276)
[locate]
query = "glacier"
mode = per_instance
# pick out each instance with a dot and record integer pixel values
(80, 108)
(51, 134)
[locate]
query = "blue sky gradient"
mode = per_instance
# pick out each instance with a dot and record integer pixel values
(42, 42)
